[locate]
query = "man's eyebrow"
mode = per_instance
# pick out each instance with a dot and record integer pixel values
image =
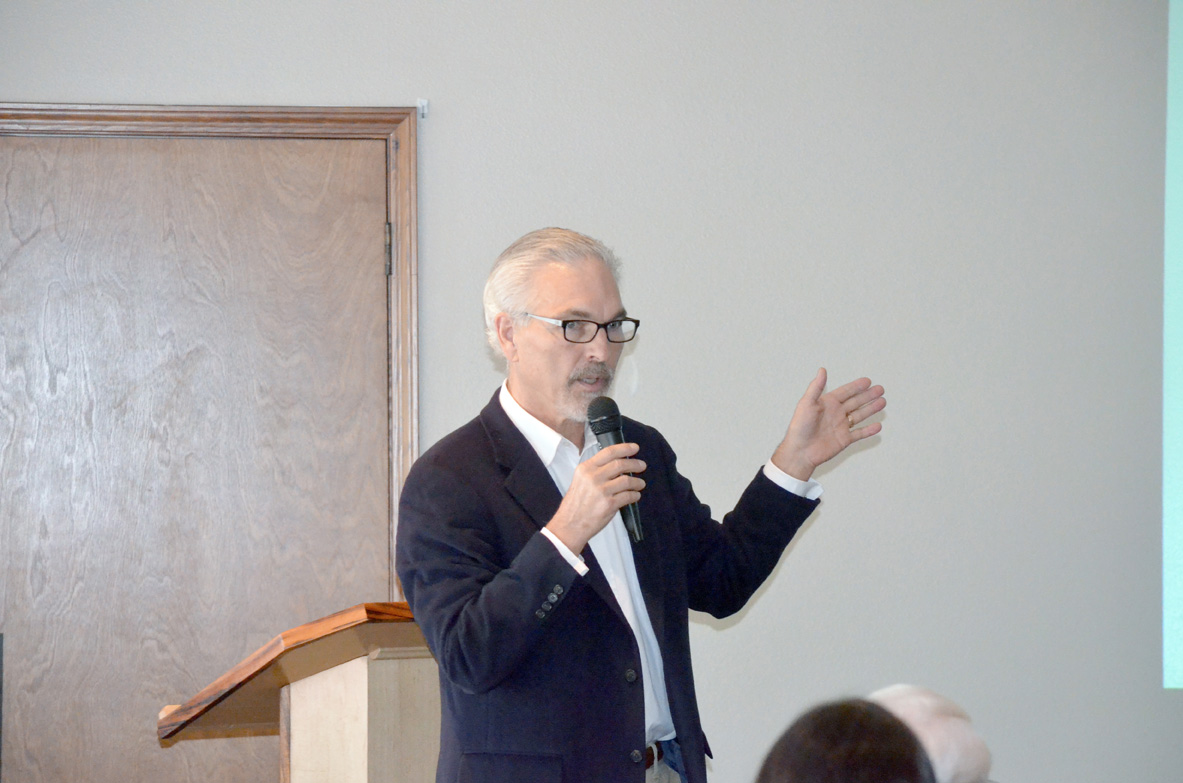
(584, 315)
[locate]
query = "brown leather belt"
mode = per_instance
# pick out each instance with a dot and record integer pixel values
(653, 754)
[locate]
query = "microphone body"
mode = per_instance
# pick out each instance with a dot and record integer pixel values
(603, 416)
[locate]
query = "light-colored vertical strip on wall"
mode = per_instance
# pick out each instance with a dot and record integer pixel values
(1172, 364)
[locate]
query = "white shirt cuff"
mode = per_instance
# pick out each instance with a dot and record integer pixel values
(575, 560)
(810, 490)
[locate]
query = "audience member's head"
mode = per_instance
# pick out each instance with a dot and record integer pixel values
(957, 753)
(847, 741)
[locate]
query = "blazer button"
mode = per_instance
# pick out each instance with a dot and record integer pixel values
(558, 590)
(630, 675)
(637, 756)
(553, 597)
(540, 614)
(547, 605)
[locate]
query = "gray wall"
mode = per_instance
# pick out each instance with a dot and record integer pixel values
(961, 200)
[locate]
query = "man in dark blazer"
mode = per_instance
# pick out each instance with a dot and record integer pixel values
(563, 644)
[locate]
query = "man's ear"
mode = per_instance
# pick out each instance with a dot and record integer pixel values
(504, 326)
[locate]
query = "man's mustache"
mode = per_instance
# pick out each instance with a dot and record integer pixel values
(596, 371)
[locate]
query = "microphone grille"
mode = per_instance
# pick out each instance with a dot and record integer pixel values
(603, 415)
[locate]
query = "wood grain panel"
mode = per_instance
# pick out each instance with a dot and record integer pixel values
(194, 443)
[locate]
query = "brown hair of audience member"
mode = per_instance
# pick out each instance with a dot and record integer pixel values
(847, 741)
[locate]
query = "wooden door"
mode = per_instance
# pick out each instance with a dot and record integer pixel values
(198, 413)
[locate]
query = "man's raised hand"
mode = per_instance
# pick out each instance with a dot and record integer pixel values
(825, 423)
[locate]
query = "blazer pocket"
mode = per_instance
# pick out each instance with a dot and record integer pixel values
(504, 767)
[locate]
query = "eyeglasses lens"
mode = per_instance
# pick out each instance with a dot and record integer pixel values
(585, 331)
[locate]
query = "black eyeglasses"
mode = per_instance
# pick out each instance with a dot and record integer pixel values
(576, 330)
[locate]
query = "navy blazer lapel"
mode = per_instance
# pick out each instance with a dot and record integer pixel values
(526, 478)
(598, 582)
(530, 484)
(647, 553)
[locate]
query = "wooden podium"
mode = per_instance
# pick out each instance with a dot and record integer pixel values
(354, 698)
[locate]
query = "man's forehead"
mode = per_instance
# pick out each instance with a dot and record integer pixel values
(582, 289)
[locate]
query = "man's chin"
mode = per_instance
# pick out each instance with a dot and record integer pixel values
(581, 398)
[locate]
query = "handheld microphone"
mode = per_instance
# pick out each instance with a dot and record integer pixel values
(604, 419)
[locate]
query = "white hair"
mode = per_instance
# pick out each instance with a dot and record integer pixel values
(511, 279)
(957, 753)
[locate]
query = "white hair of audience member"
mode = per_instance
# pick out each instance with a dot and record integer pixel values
(957, 753)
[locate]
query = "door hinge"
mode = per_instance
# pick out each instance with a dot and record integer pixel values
(389, 246)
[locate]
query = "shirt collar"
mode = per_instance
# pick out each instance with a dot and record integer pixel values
(541, 438)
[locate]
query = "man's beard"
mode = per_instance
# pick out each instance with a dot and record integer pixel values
(574, 405)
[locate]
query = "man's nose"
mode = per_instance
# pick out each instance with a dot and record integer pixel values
(599, 346)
